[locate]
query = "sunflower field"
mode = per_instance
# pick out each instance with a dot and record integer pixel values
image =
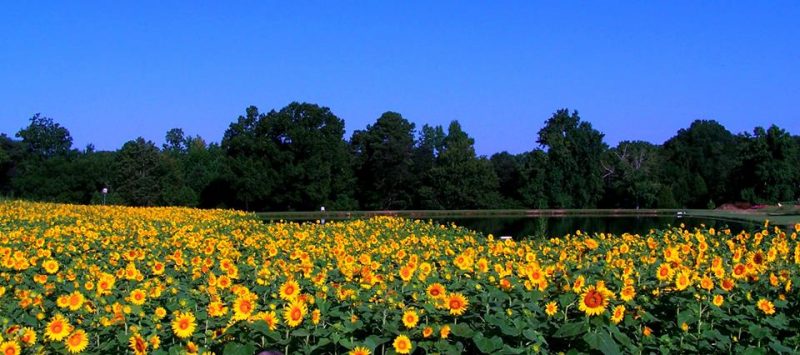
(114, 280)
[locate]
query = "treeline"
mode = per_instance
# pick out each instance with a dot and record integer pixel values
(298, 159)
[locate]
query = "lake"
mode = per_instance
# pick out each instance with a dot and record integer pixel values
(551, 226)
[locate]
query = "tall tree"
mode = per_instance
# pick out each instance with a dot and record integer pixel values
(769, 170)
(630, 172)
(292, 159)
(508, 168)
(383, 156)
(574, 150)
(45, 138)
(698, 165)
(462, 180)
(139, 173)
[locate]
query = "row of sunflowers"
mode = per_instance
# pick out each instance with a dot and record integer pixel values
(96, 279)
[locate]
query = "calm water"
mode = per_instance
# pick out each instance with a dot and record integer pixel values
(522, 227)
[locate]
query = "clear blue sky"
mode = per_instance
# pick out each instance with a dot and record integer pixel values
(113, 70)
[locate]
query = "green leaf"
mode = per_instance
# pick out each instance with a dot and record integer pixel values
(238, 349)
(300, 333)
(461, 330)
(570, 330)
(780, 348)
(487, 345)
(373, 341)
(602, 341)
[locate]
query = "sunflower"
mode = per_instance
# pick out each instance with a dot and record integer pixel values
(58, 328)
(435, 290)
(739, 271)
(77, 341)
(315, 316)
(427, 332)
(728, 284)
(138, 297)
(289, 290)
(293, 313)
(243, 307)
(594, 301)
(50, 266)
(551, 308)
(618, 314)
(10, 348)
(627, 293)
(444, 332)
(718, 300)
(578, 284)
(410, 318)
(217, 309)
(359, 350)
(664, 272)
(402, 345)
(270, 318)
(457, 304)
(766, 306)
(406, 273)
(183, 324)
(28, 337)
(137, 344)
(706, 283)
(160, 313)
(682, 281)
(75, 301)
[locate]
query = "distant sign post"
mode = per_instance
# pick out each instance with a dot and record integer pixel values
(105, 192)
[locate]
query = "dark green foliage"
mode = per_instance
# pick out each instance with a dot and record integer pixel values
(630, 173)
(296, 159)
(698, 163)
(383, 160)
(139, 173)
(460, 179)
(574, 149)
(44, 138)
(292, 159)
(770, 168)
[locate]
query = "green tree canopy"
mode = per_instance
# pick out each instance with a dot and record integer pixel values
(383, 155)
(574, 150)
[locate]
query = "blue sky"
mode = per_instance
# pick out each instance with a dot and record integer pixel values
(111, 71)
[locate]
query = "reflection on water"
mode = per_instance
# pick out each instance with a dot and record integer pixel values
(525, 227)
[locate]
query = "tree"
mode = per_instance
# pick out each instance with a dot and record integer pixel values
(630, 173)
(427, 148)
(139, 172)
(533, 172)
(508, 168)
(574, 150)
(769, 169)
(44, 138)
(698, 164)
(383, 155)
(292, 159)
(461, 179)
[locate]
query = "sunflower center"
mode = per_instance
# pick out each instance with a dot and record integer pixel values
(183, 324)
(139, 345)
(57, 327)
(593, 299)
(246, 307)
(296, 314)
(455, 303)
(75, 340)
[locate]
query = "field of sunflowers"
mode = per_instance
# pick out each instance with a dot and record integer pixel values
(114, 280)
